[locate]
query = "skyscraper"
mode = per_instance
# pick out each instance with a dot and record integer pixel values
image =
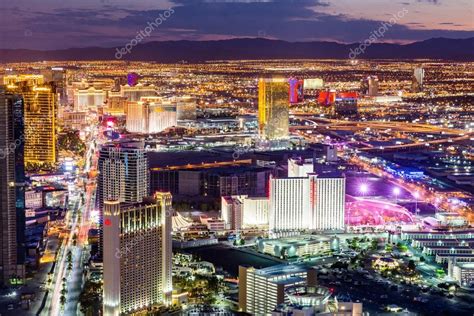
(418, 79)
(314, 202)
(327, 198)
(12, 195)
(273, 108)
(289, 205)
(151, 115)
(370, 86)
(137, 254)
(123, 175)
(40, 113)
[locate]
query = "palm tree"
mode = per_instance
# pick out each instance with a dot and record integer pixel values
(62, 299)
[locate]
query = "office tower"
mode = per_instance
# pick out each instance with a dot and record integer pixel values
(123, 175)
(289, 205)
(151, 115)
(12, 194)
(327, 198)
(242, 211)
(137, 255)
(418, 79)
(370, 86)
(261, 290)
(273, 108)
(89, 98)
(40, 112)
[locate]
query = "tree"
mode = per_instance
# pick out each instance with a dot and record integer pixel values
(422, 259)
(62, 299)
(91, 297)
(411, 265)
(374, 244)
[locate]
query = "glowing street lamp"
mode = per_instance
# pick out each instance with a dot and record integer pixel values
(416, 195)
(364, 188)
(396, 192)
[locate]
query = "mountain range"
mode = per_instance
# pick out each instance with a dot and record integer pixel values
(252, 48)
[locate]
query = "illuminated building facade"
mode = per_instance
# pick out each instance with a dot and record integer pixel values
(123, 175)
(186, 108)
(89, 98)
(289, 205)
(327, 98)
(30, 79)
(327, 198)
(116, 105)
(12, 194)
(346, 103)
(273, 108)
(151, 115)
(298, 167)
(261, 290)
(134, 93)
(137, 255)
(370, 86)
(40, 111)
(418, 79)
(296, 91)
(241, 211)
(315, 202)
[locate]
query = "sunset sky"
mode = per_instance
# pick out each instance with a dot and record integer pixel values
(51, 24)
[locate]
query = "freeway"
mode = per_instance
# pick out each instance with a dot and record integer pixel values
(319, 125)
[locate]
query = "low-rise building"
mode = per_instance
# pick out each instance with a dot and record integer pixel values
(261, 290)
(463, 273)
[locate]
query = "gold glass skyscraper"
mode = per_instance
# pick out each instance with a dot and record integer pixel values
(40, 117)
(273, 108)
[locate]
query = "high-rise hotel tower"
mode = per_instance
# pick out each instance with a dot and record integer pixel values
(123, 176)
(137, 255)
(12, 194)
(40, 113)
(273, 108)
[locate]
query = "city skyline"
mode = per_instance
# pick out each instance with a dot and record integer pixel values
(237, 157)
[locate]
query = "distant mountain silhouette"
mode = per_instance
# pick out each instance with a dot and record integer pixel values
(247, 48)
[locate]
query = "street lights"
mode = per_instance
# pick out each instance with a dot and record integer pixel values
(416, 195)
(396, 192)
(364, 188)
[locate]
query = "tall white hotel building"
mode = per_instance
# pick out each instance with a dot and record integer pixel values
(123, 176)
(315, 202)
(137, 255)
